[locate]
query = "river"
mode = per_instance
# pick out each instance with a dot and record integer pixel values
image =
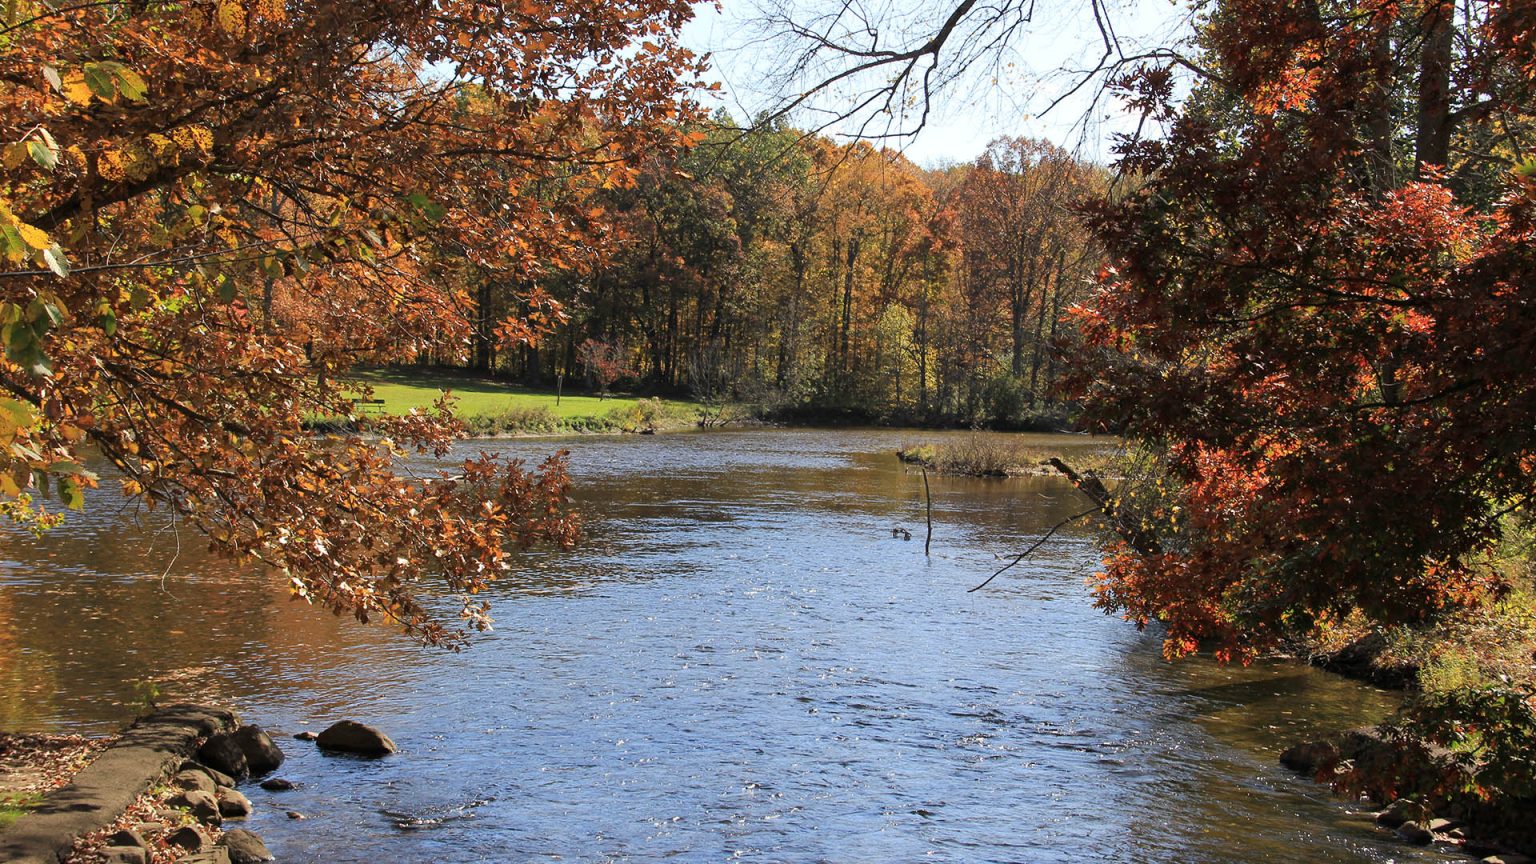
(738, 663)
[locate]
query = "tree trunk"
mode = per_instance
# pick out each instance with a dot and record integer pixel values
(1433, 145)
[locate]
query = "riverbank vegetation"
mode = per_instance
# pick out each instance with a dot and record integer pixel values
(979, 456)
(1317, 327)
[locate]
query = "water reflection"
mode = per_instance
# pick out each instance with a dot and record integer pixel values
(740, 662)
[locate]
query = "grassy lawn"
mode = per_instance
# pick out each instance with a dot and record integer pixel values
(477, 397)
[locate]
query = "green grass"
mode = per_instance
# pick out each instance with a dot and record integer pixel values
(14, 805)
(488, 405)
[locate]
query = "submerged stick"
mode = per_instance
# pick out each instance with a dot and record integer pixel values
(928, 494)
(1038, 543)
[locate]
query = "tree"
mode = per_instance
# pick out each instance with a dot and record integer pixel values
(213, 209)
(1319, 314)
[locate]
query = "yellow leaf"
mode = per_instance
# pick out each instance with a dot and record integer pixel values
(34, 237)
(75, 89)
(231, 18)
(15, 154)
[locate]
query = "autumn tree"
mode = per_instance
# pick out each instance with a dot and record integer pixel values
(211, 210)
(1319, 314)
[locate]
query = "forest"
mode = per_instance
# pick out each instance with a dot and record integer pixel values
(814, 280)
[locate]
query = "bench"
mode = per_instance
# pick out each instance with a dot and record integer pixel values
(366, 407)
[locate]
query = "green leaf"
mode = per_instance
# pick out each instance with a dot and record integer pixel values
(43, 156)
(11, 244)
(19, 412)
(130, 84)
(1526, 168)
(19, 338)
(71, 494)
(100, 80)
(226, 289)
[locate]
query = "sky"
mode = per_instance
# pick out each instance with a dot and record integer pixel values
(1004, 99)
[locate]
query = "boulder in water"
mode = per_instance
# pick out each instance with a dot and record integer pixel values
(350, 736)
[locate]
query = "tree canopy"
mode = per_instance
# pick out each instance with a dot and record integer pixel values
(211, 209)
(1319, 316)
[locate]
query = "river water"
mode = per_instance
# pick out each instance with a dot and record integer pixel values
(739, 663)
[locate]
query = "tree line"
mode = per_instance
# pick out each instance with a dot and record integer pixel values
(813, 278)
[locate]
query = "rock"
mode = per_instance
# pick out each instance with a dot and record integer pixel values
(219, 777)
(262, 756)
(150, 831)
(223, 754)
(204, 807)
(1400, 811)
(216, 855)
(350, 736)
(294, 814)
(1448, 829)
(244, 847)
(189, 837)
(1310, 757)
(1507, 858)
(128, 837)
(306, 735)
(194, 781)
(1415, 833)
(125, 855)
(277, 784)
(233, 805)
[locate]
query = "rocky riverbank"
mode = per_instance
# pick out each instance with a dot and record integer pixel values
(166, 790)
(1375, 762)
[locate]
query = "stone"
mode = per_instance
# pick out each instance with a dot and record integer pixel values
(194, 781)
(203, 806)
(221, 753)
(350, 736)
(1310, 757)
(306, 735)
(146, 827)
(294, 814)
(125, 855)
(277, 784)
(1400, 811)
(219, 777)
(234, 805)
(127, 837)
(188, 837)
(1507, 858)
(245, 847)
(1415, 833)
(262, 755)
(216, 855)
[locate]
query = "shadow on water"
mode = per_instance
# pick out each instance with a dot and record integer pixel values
(740, 662)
